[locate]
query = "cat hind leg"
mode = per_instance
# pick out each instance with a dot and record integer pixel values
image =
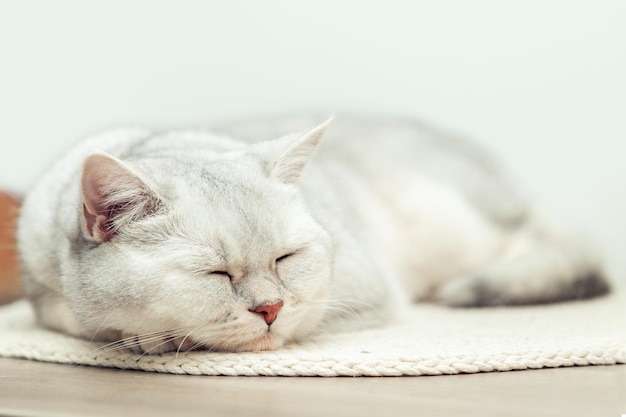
(540, 269)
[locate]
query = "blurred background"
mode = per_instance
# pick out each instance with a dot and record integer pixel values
(539, 82)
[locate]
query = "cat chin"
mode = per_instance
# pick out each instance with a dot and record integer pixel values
(268, 341)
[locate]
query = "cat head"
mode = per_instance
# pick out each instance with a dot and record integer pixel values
(215, 248)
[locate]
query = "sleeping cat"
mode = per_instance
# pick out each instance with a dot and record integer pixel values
(241, 240)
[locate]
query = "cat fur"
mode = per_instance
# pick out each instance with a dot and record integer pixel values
(173, 240)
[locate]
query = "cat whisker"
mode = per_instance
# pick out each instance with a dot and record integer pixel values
(182, 342)
(348, 312)
(138, 340)
(100, 326)
(165, 341)
(109, 347)
(332, 305)
(346, 300)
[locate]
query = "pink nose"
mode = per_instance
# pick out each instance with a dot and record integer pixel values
(268, 311)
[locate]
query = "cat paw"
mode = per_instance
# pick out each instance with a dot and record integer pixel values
(471, 291)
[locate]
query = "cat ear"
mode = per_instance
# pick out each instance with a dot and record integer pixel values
(113, 196)
(291, 162)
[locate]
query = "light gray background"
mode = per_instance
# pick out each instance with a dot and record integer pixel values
(542, 83)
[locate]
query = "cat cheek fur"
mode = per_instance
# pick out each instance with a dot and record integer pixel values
(304, 282)
(217, 314)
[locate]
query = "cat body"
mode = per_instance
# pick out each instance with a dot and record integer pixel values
(241, 239)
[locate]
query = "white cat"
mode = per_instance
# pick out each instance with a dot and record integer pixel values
(193, 239)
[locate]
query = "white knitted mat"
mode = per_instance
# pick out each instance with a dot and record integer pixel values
(433, 341)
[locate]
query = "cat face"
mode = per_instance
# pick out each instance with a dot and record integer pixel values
(219, 254)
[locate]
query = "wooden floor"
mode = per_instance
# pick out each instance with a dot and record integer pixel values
(39, 389)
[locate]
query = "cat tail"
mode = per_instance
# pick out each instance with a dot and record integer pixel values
(542, 264)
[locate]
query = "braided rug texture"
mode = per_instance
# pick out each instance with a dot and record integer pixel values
(432, 340)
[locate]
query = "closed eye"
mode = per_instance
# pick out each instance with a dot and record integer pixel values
(282, 258)
(222, 273)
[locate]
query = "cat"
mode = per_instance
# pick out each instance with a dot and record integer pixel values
(240, 239)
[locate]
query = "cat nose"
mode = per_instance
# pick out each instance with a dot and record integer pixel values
(268, 311)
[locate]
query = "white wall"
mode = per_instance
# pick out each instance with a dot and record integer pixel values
(541, 82)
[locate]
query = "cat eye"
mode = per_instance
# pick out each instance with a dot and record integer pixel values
(222, 273)
(282, 258)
